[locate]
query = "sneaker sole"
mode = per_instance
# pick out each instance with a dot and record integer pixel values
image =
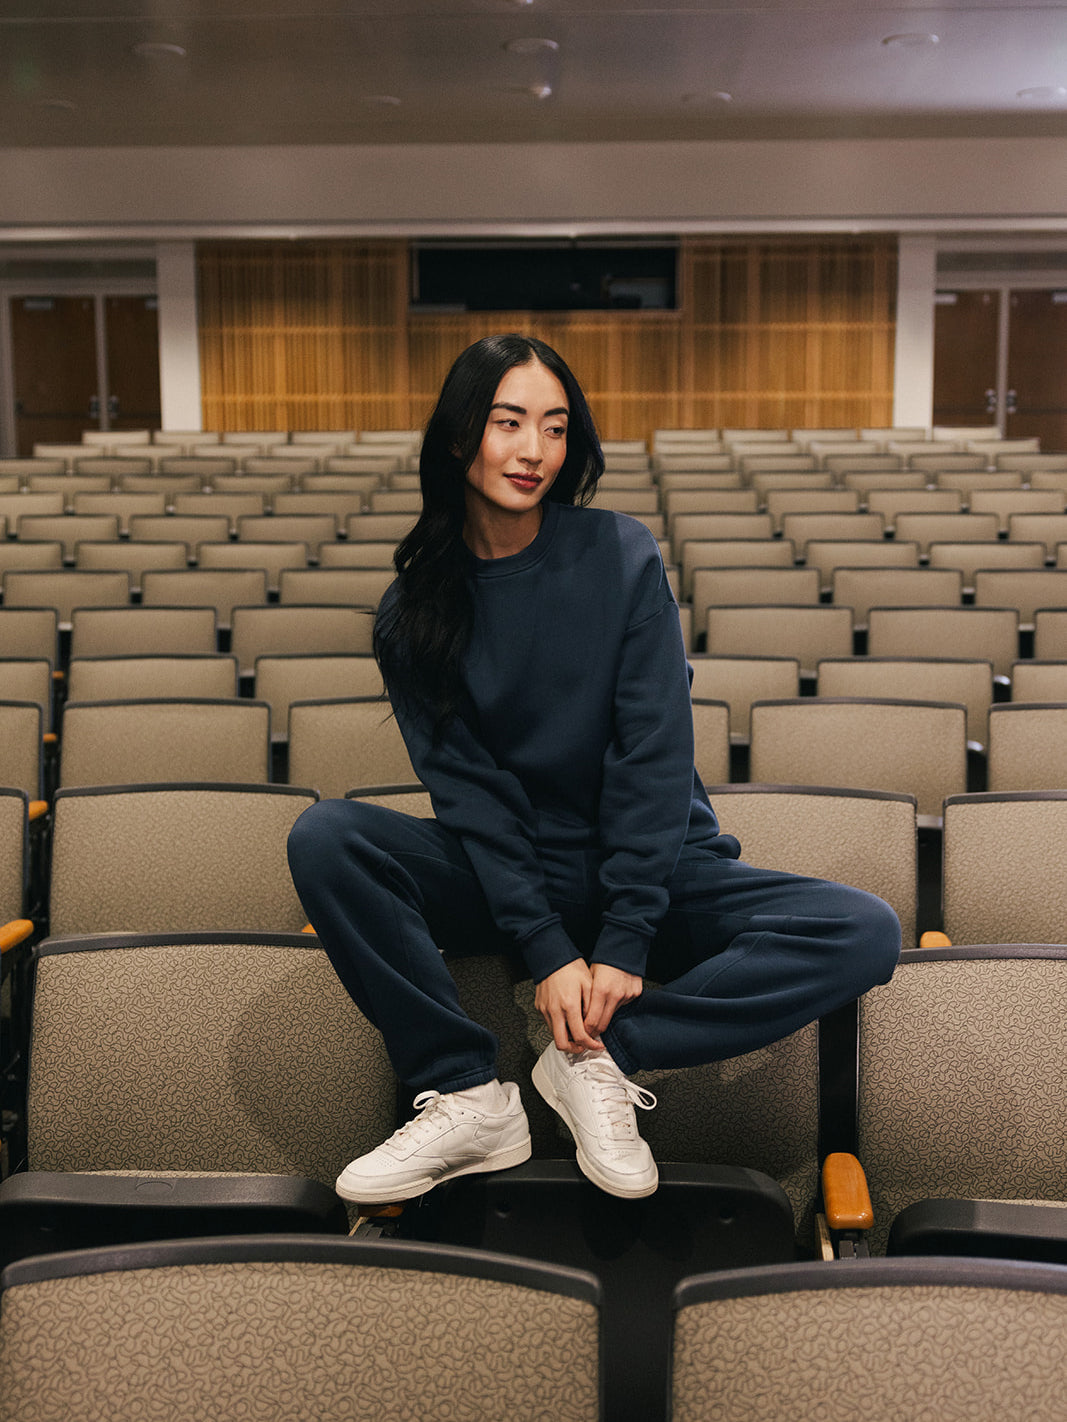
(609, 1184)
(499, 1160)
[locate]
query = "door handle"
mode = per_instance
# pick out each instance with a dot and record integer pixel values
(991, 402)
(1012, 402)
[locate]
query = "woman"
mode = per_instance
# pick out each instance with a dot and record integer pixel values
(532, 651)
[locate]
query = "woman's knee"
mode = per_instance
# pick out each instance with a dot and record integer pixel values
(871, 929)
(325, 832)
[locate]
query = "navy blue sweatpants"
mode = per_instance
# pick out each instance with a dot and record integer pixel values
(745, 955)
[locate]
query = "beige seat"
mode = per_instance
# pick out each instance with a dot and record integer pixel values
(269, 485)
(737, 587)
(29, 632)
(340, 483)
(866, 838)
(280, 680)
(969, 557)
(951, 1331)
(1006, 502)
(1033, 680)
(22, 725)
(806, 633)
(927, 528)
(132, 558)
(144, 859)
(1048, 529)
(114, 467)
(944, 460)
(274, 631)
(142, 631)
(340, 503)
(1025, 589)
(916, 679)
(69, 485)
(891, 502)
(340, 745)
(871, 471)
(978, 633)
(707, 501)
(356, 555)
(802, 527)
(270, 558)
(351, 587)
(1050, 634)
(732, 553)
(1032, 465)
(211, 505)
(394, 500)
(369, 462)
(29, 679)
(169, 485)
(704, 527)
(405, 799)
(222, 589)
(379, 527)
(741, 680)
(18, 556)
(64, 590)
(289, 1309)
(1028, 746)
(910, 747)
(967, 481)
(312, 529)
(207, 466)
(782, 502)
(190, 529)
(765, 480)
(864, 588)
(165, 741)
(826, 554)
(137, 678)
(123, 505)
(282, 466)
(711, 737)
(68, 529)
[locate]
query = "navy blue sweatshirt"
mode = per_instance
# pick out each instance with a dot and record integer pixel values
(578, 736)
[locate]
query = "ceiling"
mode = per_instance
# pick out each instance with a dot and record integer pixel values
(195, 72)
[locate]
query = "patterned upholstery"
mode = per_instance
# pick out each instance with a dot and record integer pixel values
(324, 1334)
(137, 742)
(202, 1054)
(1004, 878)
(337, 746)
(12, 854)
(902, 1339)
(174, 858)
(963, 1079)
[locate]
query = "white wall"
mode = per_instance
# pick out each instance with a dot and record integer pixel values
(904, 184)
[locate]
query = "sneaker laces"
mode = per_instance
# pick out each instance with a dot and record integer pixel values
(432, 1107)
(614, 1093)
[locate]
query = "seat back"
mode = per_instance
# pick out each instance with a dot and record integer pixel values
(927, 528)
(984, 1336)
(98, 678)
(122, 631)
(806, 633)
(1028, 746)
(985, 633)
(29, 632)
(220, 588)
(22, 747)
(960, 1079)
(740, 587)
(1003, 877)
(158, 858)
(165, 741)
(864, 588)
(826, 554)
(275, 631)
(201, 1052)
(741, 680)
(129, 557)
(272, 557)
(65, 590)
(13, 853)
(711, 738)
(340, 745)
(1025, 589)
(911, 747)
(350, 587)
(29, 679)
(285, 679)
(916, 679)
(321, 1328)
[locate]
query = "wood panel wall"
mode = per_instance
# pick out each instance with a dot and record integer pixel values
(770, 332)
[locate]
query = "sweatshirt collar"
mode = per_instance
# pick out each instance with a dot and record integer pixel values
(530, 555)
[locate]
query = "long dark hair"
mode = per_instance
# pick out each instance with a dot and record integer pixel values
(420, 640)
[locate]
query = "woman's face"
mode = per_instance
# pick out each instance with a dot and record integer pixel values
(523, 447)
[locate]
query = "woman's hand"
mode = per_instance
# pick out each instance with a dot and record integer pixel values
(578, 1002)
(563, 999)
(611, 988)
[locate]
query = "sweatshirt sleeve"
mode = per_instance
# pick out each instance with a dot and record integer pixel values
(487, 807)
(648, 777)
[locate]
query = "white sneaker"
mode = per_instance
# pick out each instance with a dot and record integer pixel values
(596, 1102)
(450, 1136)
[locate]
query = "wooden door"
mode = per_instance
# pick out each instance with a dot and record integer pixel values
(1037, 368)
(966, 327)
(132, 324)
(53, 347)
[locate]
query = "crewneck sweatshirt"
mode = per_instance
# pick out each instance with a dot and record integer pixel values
(576, 737)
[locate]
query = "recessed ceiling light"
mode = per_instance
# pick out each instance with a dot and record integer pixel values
(381, 101)
(531, 46)
(159, 49)
(910, 39)
(716, 96)
(1043, 92)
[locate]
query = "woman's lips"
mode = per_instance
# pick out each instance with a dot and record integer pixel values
(527, 482)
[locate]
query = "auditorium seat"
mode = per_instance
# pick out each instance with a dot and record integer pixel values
(259, 631)
(338, 745)
(120, 631)
(135, 678)
(280, 680)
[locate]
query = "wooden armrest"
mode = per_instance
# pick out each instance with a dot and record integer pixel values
(932, 939)
(58, 675)
(50, 738)
(15, 932)
(844, 1191)
(307, 928)
(37, 809)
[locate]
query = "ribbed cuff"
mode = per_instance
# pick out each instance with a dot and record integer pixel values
(548, 949)
(621, 947)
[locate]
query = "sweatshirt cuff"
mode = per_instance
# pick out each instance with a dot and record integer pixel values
(548, 949)
(621, 947)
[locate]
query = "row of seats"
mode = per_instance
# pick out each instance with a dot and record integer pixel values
(238, 1324)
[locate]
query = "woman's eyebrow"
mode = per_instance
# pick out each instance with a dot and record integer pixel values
(518, 409)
